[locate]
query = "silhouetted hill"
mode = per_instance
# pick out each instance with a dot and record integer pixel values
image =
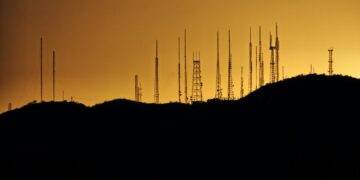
(300, 128)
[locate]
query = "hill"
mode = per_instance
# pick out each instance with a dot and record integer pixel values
(300, 128)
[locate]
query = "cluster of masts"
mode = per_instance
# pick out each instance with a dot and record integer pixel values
(197, 83)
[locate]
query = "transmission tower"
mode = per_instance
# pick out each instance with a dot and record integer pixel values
(185, 73)
(256, 68)
(156, 93)
(137, 98)
(179, 74)
(277, 47)
(261, 62)
(241, 84)
(230, 82)
(140, 93)
(272, 62)
(250, 64)
(218, 93)
(196, 82)
(41, 69)
(53, 75)
(330, 61)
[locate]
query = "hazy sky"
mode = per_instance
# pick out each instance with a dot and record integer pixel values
(101, 44)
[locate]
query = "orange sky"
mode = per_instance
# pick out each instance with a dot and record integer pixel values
(102, 44)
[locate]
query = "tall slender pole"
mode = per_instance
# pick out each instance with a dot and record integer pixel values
(179, 74)
(53, 75)
(230, 83)
(256, 68)
(156, 98)
(250, 64)
(277, 47)
(41, 69)
(186, 96)
(218, 93)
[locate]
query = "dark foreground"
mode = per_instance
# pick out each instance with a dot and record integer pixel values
(302, 128)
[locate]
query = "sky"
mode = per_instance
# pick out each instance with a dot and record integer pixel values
(101, 44)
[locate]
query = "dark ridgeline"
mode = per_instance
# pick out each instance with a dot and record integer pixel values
(301, 128)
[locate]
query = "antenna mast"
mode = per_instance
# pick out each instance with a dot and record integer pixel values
(230, 82)
(196, 83)
(250, 64)
(272, 63)
(261, 62)
(331, 61)
(218, 93)
(179, 75)
(277, 47)
(54, 75)
(156, 96)
(41, 69)
(186, 97)
(242, 84)
(256, 68)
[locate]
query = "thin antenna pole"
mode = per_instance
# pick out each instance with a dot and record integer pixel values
(179, 74)
(41, 69)
(241, 84)
(256, 68)
(218, 93)
(261, 63)
(53, 75)
(250, 64)
(156, 98)
(186, 96)
(331, 61)
(277, 47)
(136, 88)
(230, 83)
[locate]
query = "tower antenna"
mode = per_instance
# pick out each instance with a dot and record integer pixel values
(277, 47)
(230, 82)
(156, 96)
(54, 75)
(185, 74)
(41, 69)
(218, 93)
(179, 74)
(331, 61)
(250, 64)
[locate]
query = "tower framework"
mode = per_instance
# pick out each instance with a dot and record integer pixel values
(185, 72)
(137, 88)
(196, 82)
(272, 62)
(218, 92)
(241, 84)
(41, 69)
(261, 62)
(331, 61)
(277, 47)
(230, 81)
(156, 93)
(53, 75)
(179, 74)
(250, 64)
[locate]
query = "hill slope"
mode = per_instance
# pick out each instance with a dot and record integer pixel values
(301, 128)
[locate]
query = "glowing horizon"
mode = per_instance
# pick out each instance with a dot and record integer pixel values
(101, 45)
